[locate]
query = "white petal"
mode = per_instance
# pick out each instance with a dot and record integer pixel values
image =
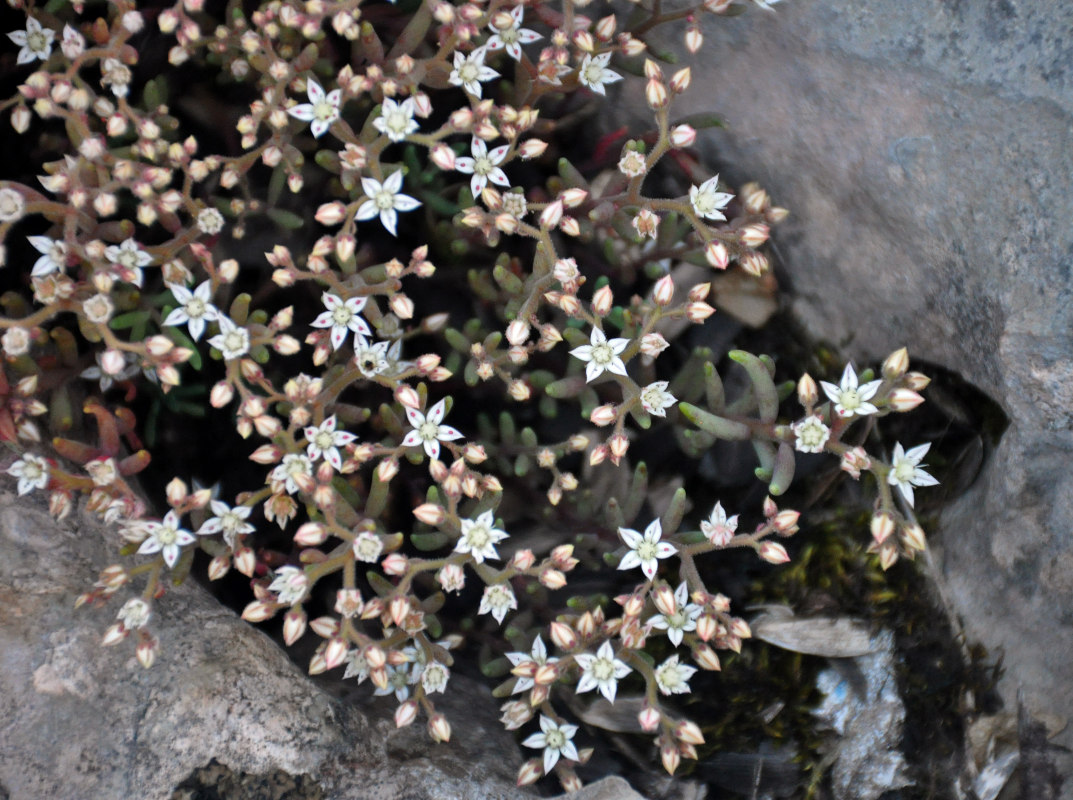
(388, 218)
(630, 560)
(314, 90)
(631, 537)
(303, 112)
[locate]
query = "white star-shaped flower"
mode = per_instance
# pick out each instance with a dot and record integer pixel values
(594, 73)
(385, 199)
(32, 472)
(601, 671)
(166, 538)
(483, 166)
(848, 397)
(370, 357)
(195, 308)
(537, 657)
(35, 42)
(321, 110)
(683, 620)
(555, 740)
(497, 600)
(429, 430)
(718, 527)
(293, 464)
(289, 584)
(655, 399)
(512, 38)
(708, 201)
(396, 120)
(231, 522)
(324, 440)
(342, 317)
(811, 434)
(906, 471)
(398, 683)
(646, 550)
(601, 354)
(469, 71)
(672, 677)
(232, 341)
(53, 255)
(135, 613)
(479, 538)
(434, 677)
(128, 258)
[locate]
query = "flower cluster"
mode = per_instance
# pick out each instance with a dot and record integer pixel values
(340, 354)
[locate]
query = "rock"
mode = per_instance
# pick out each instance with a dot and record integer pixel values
(223, 706)
(923, 150)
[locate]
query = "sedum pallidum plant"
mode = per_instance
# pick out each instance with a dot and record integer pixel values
(467, 301)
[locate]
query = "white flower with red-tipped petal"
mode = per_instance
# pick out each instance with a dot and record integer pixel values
(32, 472)
(385, 199)
(342, 317)
(718, 527)
(683, 620)
(321, 110)
(293, 464)
(538, 657)
(35, 42)
(479, 538)
(601, 354)
(324, 440)
(601, 671)
(166, 538)
(429, 430)
(128, 258)
(53, 255)
(483, 166)
(512, 38)
(555, 740)
(396, 120)
(594, 73)
(708, 201)
(231, 522)
(195, 308)
(469, 71)
(906, 471)
(645, 551)
(849, 397)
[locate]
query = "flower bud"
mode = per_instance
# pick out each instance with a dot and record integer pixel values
(807, 391)
(311, 534)
(443, 157)
(896, 364)
(439, 728)
(668, 754)
(663, 597)
(530, 772)
(405, 714)
(688, 732)
(532, 148)
(564, 636)
(694, 39)
(603, 415)
(245, 561)
(408, 396)
(917, 381)
(663, 293)
(774, 553)
(148, 647)
(912, 537)
(294, 625)
(602, 301)
(553, 579)
(698, 312)
(683, 136)
(395, 564)
(648, 718)
(331, 213)
(904, 400)
(882, 526)
(681, 79)
(430, 514)
(706, 658)
(551, 215)
(260, 610)
(754, 235)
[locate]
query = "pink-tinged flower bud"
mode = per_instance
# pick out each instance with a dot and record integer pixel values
(904, 400)
(668, 754)
(663, 293)
(882, 526)
(755, 198)
(530, 772)
(652, 70)
(564, 636)
(769, 508)
(754, 235)
(700, 292)
(523, 560)
(602, 301)
(294, 625)
(786, 521)
(584, 41)
(443, 157)
(855, 460)
(605, 27)
(774, 553)
(572, 198)
(687, 731)
(698, 312)
(598, 455)
(618, 445)
(635, 604)
(917, 381)
(740, 628)
(563, 557)
(888, 556)
(518, 332)
(648, 718)
(175, 492)
(375, 656)
(896, 364)
(395, 564)
(551, 215)
(656, 94)
(406, 713)
(603, 415)
(707, 627)
(717, 255)
(199, 499)
(912, 537)
(286, 345)
(260, 610)
(519, 390)
(311, 534)
(408, 396)
(755, 263)
(776, 214)
(706, 658)
(652, 344)
(267, 454)
(681, 79)
(245, 561)
(553, 579)
(316, 664)
(570, 305)
(430, 514)
(683, 136)
(148, 647)
(570, 226)
(532, 148)
(694, 39)
(114, 635)
(402, 305)
(398, 608)
(219, 567)
(331, 213)
(807, 391)
(439, 728)
(545, 674)
(663, 597)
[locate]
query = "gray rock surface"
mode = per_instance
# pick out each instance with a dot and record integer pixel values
(924, 151)
(78, 720)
